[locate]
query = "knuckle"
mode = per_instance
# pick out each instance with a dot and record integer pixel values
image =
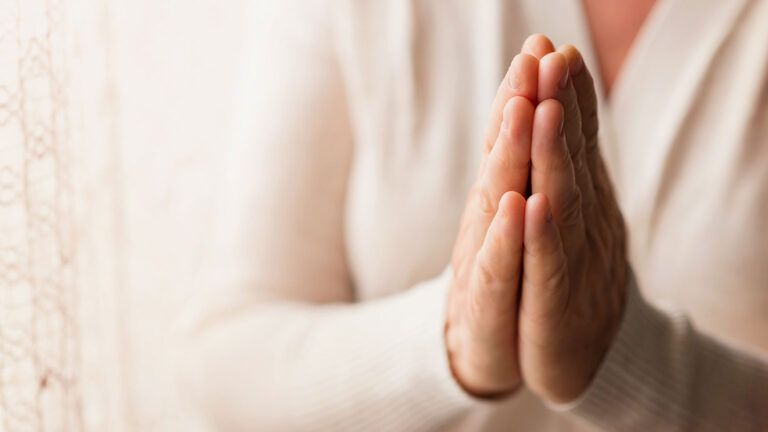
(559, 161)
(547, 249)
(558, 276)
(492, 272)
(571, 210)
(576, 148)
(587, 196)
(583, 174)
(473, 304)
(511, 81)
(459, 260)
(483, 201)
(539, 249)
(571, 108)
(554, 287)
(484, 271)
(598, 247)
(562, 160)
(590, 125)
(502, 157)
(516, 157)
(488, 143)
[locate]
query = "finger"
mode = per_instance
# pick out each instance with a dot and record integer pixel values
(555, 83)
(545, 280)
(584, 86)
(508, 164)
(537, 45)
(507, 167)
(552, 174)
(499, 259)
(521, 80)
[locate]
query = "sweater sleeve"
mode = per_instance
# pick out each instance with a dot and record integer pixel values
(379, 365)
(273, 340)
(662, 374)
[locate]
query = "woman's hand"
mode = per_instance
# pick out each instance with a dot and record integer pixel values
(481, 322)
(567, 242)
(575, 264)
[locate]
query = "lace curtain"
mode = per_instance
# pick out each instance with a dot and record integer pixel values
(39, 340)
(113, 118)
(49, 302)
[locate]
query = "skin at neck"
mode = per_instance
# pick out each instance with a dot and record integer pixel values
(614, 25)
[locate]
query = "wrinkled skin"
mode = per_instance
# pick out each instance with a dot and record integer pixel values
(539, 282)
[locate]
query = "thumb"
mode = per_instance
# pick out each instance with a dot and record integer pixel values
(498, 265)
(545, 279)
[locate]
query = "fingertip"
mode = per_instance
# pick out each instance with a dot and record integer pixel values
(553, 75)
(550, 114)
(518, 104)
(523, 74)
(538, 218)
(538, 45)
(511, 214)
(502, 248)
(538, 207)
(513, 203)
(553, 105)
(543, 260)
(573, 57)
(526, 59)
(557, 58)
(519, 111)
(550, 158)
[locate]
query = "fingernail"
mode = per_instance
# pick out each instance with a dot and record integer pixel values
(512, 78)
(505, 117)
(564, 80)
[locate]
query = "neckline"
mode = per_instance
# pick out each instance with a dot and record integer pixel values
(634, 57)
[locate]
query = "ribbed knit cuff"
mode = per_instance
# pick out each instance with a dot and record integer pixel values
(661, 374)
(638, 373)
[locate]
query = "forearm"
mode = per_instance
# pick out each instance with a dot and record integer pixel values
(375, 365)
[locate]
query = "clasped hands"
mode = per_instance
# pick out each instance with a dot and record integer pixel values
(538, 281)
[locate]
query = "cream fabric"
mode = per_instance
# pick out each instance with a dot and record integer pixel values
(111, 117)
(358, 139)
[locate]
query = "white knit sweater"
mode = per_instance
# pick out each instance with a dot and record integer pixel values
(359, 137)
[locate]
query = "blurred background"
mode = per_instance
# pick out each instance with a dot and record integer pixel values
(111, 115)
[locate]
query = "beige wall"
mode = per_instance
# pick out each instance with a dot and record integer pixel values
(175, 69)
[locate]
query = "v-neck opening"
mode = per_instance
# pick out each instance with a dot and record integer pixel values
(642, 40)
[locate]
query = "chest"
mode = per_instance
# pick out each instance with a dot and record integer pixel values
(613, 27)
(691, 177)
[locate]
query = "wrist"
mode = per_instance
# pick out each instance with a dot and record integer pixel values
(479, 378)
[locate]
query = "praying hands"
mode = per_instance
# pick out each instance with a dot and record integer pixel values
(540, 266)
